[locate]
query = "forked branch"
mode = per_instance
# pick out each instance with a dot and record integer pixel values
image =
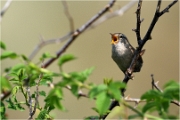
(141, 43)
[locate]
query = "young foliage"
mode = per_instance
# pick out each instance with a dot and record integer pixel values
(46, 55)
(54, 98)
(65, 58)
(8, 54)
(160, 101)
(3, 111)
(2, 45)
(104, 93)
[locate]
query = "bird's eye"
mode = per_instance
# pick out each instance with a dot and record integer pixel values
(121, 36)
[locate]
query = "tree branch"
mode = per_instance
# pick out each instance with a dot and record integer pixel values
(79, 31)
(138, 23)
(68, 15)
(4, 9)
(116, 13)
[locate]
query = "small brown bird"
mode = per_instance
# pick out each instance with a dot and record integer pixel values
(123, 52)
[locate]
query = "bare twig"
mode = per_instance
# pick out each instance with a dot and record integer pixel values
(175, 102)
(135, 100)
(80, 93)
(4, 9)
(152, 81)
(47, 42)
(116, 13)
(138, 23)
(5, 94)
(30, 99)
(155, 84)
(79, 31)
(66, 10)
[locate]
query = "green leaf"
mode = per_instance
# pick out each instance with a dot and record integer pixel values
(24, 58)
(2, 45)
(171, 90)
(57, 91)
(57, 103)
(148, 106)
(21, 74)
(54, 98)
(102, 103)
(171, 83)
(17, 67)
(15, 90)
(151, 95)
(3, 111)
(10, 104)
(42, 93)
(44, 114)
(49, 107)
(65, 58)
(130, 117)
(19, 107)
(47, 55)
(33, 95)
(5, 85)
(13, 104)
(114, 89)
(74, 89)
(97, 90)
(8, 54)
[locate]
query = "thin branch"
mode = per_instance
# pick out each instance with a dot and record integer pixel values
(136, 100)
(152, 77)
(155, 84)
(138, 23)
(68, 15)
(37, 93)
(133, 109)
(80, 93)
(4, 9)
(167, 8)
(47, 42)
(79, 31)
(116, 13)
(30, 100)
(5, 94)
(175, 102)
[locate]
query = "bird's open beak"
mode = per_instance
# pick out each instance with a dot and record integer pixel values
(112, 36)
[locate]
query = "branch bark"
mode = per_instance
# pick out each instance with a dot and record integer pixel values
(4, 9)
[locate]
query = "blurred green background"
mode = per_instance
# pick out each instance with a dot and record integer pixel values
(25, 21)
